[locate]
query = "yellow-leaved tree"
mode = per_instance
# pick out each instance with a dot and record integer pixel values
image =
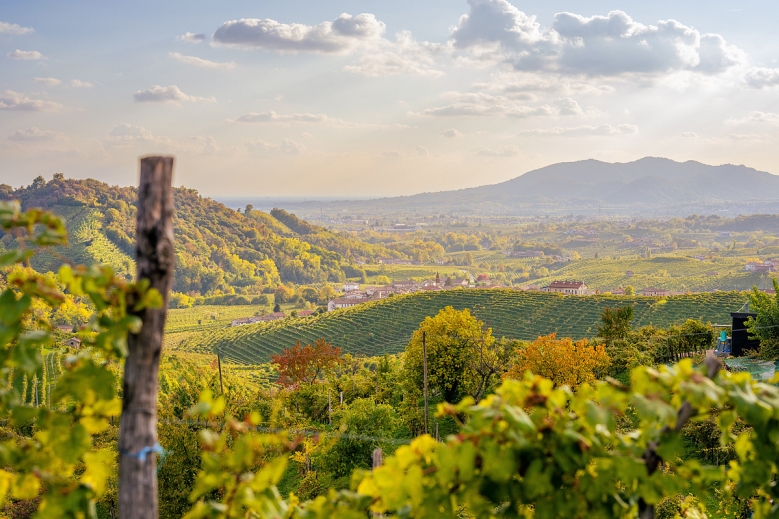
(563, 361)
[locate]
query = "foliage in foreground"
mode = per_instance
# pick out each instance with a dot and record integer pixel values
(533, 450)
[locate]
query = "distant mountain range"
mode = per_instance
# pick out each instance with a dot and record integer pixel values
(649, 185)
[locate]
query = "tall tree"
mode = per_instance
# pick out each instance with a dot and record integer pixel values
(562, 361)
(304, 364)
(461, 355)
(615, 323)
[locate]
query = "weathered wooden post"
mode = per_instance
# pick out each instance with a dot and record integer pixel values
(155, 258)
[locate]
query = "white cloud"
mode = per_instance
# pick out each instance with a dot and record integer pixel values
(756, 117)
(760, 77)
(603, 129)
(25, 54)
(287, 146)
(199, 62)
(130, 132)
(171, 93)
(191, 37)
(340, 35)
(10, 100)
(404, 56)
(451, 133)
(77, 83)
(34, 134)
(476, 104)
(609, 45)
(50, 81)
(689, 135)
(14, 29)
(503, 151)
(266, 117)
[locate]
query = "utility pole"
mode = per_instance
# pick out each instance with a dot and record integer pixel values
(155, 258)
(424, 369)
(219, 364)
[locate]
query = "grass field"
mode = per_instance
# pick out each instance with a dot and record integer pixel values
(385, 326)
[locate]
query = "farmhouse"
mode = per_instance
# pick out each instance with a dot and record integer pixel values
(619, 291)
(758, 267)
(342, 302)
(73, 342)
(351, 286)
(65, 327)
(654, 291)
(305, 313)
(577, 288)
(629, 274)
(258, 319)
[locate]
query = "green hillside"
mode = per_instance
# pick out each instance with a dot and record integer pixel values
(218, 250)
(385, 326)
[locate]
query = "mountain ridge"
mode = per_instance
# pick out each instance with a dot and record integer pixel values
(650, 182)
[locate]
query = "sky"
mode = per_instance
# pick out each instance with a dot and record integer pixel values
(314, 98)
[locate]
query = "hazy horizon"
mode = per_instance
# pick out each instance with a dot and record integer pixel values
(349, 99)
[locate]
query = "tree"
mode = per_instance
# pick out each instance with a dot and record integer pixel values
(304, 364)
(615, 323)
(562, 361)
(453, 338)
(533, 450)
(630, 291)
(276, 308)
(765, 326)
(326, 293)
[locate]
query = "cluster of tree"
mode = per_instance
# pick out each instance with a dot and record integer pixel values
(218, 250)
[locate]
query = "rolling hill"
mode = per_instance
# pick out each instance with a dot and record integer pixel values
(386, 326)
(218, 250)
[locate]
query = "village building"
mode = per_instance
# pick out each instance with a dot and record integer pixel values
(619, 291)
(258, 319)
(65, 327)
(351, 286)
(342, 302)
(758, 267)
(73, 342)
(629, 274)
(654, 291)
(305, 313)
(578, 288)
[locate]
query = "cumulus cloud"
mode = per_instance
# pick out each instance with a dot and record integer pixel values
(130, 132)
(450, 133)
(475, 104)
(10, 100)
(340, 35)
(49, 81)
(77, 83)
(266, 117)
(34, 134)
(608, 45)
(25, 54)
(522, 85)
(756, 117)
(14, 29)
(603, 129)
(199, 62)
(287, 146)
(503, 151)
(760, 77)
(191, 37)
(173, 94)
(404, 56)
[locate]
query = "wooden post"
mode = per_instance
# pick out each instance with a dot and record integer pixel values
(378, 459)
(155, 258)
(424, 369)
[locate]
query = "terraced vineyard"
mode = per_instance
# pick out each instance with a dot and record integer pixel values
(385, 326)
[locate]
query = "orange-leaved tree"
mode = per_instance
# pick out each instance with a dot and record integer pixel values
(563, 361)
(303, 364)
